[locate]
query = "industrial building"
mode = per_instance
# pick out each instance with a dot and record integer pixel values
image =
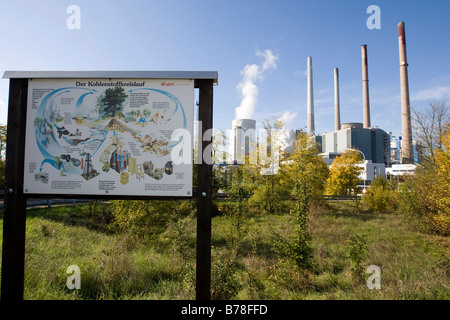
(381, 152)
(396, 150)
(374, 143)
(401, 169)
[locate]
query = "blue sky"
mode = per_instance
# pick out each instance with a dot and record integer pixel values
(227, 36)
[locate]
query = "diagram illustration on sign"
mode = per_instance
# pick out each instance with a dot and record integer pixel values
(108, 137)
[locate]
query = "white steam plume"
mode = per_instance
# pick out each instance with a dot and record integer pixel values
(287, 137)
(287, 117)
(249, 91)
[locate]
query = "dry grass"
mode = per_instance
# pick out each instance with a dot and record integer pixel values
(414, 265)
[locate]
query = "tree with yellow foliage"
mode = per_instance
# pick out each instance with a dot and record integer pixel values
(437, 199)
(426, 195)
(344, 174)
(305, 171)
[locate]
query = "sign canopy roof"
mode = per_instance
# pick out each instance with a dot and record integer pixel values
(194, 75)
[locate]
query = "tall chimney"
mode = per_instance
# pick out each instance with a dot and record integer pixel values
(407, 155)
(365, 85)
(337, 108)
(310, 112)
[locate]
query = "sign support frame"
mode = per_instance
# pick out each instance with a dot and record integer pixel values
(14, 219)
(204, 196)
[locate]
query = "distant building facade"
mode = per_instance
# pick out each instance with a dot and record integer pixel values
(401, 169)
(374, 143)
(396, 150)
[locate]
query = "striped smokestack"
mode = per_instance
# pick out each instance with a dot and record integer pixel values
(310, 112)
(407, 155)
(337, 107)
(365, 85)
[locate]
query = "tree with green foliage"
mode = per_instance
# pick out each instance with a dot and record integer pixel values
(238, 192)
(114, 97)
(344, 174)
(307, 173)
(270, 191)
(225, 265)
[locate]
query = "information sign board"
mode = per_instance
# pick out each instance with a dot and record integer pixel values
(109, 137)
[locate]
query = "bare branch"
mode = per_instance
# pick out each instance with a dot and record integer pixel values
(429, 126)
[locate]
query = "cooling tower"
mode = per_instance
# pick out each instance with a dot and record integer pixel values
(244, 139)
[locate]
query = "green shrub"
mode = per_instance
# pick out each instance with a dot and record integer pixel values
(380, 198)
(140, 218)
(101, 212)
(357, 250)
(297, 248)
(224, 281)
(268, 196)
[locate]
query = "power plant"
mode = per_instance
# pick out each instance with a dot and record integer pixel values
(373, 143)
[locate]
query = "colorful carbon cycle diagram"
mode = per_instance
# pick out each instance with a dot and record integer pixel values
(94, 132)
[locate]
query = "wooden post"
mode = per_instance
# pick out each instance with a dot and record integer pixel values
(14, 219)
(204, 195)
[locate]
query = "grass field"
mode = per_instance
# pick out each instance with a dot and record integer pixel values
(113, 265)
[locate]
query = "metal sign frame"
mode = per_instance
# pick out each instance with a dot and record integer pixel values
(14, 220)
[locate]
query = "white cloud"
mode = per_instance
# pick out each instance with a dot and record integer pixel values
(431, 93)
(270, 60)
(247, 87)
